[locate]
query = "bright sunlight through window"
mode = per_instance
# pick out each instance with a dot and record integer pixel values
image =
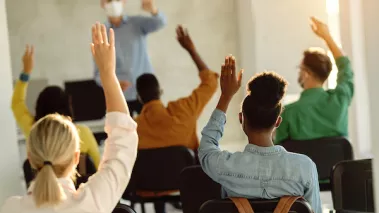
(332, 8)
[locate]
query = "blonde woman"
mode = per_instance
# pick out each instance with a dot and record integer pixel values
(53, 149)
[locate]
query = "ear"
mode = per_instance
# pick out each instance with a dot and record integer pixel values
(240, 117)
(278, 121)
(77, 158)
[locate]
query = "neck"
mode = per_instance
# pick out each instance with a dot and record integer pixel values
(260, 138)
(115, 21)
(313, 85)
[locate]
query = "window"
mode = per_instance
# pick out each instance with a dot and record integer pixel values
(332, 9)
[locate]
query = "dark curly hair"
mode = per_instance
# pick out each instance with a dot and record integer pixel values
(262, 105)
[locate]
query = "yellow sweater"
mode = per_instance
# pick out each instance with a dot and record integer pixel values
(25, 121)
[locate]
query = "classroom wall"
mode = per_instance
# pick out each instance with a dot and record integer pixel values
(9, 158)
(60, 30)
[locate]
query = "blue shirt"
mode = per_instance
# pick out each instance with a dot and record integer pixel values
(132, 59)
(257, 172)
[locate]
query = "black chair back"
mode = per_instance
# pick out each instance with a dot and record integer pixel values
(122, 208)
(159, 169)
(325, 152)
(259, 206)
(88, 101)
(196, 188)
(90, 169)
(352, 186)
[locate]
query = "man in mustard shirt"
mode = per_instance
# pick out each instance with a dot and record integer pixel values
(174, 125)
(319, 113)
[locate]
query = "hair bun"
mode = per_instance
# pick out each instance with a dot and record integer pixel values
(267, 89)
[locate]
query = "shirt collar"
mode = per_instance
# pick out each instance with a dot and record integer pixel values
(66, 183)
(311, 92)
(272, 150)
(124, 20)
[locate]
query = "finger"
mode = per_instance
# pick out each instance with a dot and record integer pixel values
(181, 30)
(315, 20)
(186, 32)
(98, 33)
(31, 51)
(222, 71)
(226, 66)
(230, 64)
(104, 34)
(239, 77)
(178, 31)
(93, 49)
(26, 50)
(95, 37)
(233, 66)
(111, 37)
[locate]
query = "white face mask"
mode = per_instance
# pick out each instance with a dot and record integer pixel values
(114, 8)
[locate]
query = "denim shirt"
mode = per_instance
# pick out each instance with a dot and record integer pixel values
(257, 172)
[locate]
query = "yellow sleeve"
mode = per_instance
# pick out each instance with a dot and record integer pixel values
(20, 111)
(89, 144)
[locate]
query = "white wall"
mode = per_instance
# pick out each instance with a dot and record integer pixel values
(60, 31)
(9, 158)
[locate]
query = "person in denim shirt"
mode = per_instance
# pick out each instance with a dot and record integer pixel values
(262, 170)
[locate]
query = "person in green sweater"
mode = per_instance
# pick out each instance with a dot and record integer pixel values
(319, 113)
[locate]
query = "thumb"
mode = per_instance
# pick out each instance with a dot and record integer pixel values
(239, 77)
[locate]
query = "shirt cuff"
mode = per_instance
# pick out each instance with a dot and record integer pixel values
(218, 117)
(342, 61)
(119, 120)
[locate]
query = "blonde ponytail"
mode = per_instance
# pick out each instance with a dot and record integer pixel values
(51, 147)
(46, 189)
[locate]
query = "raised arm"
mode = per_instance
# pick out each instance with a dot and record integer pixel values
(210, 155)
(108, 184)
(155, 22)
(195, 103)
(345, 78)
(20, 111)
(186, 42)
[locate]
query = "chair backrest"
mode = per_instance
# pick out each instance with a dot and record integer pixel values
(88, 101)
(122, 208)
(259, 206)
(159, 169)
(352, 186)
(325, 152)
(196, 188)
(86, 168)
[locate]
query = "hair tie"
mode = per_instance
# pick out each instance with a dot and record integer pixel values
(47, 163)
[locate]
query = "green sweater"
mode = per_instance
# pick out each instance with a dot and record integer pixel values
(320, 113)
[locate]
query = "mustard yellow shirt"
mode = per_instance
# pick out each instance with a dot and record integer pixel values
(25, 121)
(175, 125)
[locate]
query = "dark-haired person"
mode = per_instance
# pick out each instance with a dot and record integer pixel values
(319, 113)
(175, 124)
(132, 59)
(51, 100)
(161, 126)
(262, 170)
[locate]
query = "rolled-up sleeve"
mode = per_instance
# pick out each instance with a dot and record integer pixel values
(149, 24)
(106, 187)
(210, 155)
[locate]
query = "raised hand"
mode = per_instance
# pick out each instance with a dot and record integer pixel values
(103, 50)
(320, 28)
(184, 38)
(149, 6)
(28, 59)
(125, 85)
(229, 81)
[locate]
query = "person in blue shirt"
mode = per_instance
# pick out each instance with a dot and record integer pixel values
(132, 59)
(262, 170)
